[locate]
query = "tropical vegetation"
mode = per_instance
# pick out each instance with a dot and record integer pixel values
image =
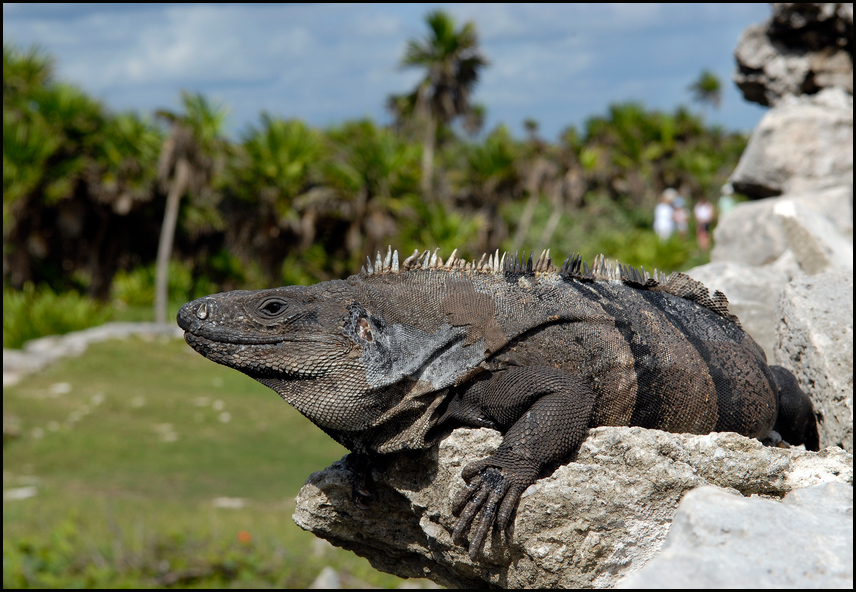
(118, 476)
(93, 198)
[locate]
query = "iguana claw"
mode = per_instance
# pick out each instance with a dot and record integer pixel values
(492, 496)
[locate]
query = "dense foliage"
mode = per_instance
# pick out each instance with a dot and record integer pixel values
(91, 197)
(85, 190)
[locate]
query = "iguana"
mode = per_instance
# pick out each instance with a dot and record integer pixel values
(387, 359)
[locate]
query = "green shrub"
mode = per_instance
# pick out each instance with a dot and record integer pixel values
(602, 226)
(432, 225)
(137, 287)
(222, 270)
(36, 312)
(305, 268)
(640, 247)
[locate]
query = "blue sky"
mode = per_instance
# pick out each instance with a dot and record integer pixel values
(558, 64)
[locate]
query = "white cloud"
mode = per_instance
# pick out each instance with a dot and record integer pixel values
(294, 42)
(327, 63)
(378, 24)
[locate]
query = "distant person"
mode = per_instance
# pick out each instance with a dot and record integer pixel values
(664, 215)
(704, 214)
(681, 215)
(726, 200)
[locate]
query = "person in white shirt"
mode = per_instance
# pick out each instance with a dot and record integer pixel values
(664, 215)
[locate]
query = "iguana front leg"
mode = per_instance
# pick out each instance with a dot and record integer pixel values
(546, 413)
(361, 468)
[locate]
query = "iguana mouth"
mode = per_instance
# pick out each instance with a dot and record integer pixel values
(206, 336)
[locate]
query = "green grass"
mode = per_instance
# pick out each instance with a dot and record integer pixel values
(129, 445)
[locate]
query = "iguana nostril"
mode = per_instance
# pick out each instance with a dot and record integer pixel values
(202, 311)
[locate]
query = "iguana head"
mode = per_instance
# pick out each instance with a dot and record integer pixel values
(344, 353)
(294, 340)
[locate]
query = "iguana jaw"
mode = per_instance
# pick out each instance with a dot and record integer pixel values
(279, 360)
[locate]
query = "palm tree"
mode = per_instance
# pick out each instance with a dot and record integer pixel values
(190, 157)
(530, 124)
(489, 178)
(51, 136)
(119, 184)
(707, 89)
(374, 174)
(127, 160)
(272, 174)
(28, 140)
(452, 61)
(474, 118)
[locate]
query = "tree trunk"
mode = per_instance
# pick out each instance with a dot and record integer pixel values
(525, 222)
(354, 237)
(170, 217)
(428, 155)
(553, 222)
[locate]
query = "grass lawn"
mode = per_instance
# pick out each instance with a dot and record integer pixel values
(142, 464)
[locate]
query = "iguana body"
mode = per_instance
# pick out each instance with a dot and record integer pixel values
(386, 359)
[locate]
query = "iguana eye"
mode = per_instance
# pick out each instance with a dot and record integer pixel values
(273, 308)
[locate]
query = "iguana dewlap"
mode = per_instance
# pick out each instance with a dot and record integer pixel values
(385, 360)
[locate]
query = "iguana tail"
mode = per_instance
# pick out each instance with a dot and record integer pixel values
(796, 422)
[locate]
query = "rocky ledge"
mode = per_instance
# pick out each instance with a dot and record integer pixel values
(594, 521)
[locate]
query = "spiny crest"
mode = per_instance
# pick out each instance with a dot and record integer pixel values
(677, 284)
(573, 267)
(488, 263)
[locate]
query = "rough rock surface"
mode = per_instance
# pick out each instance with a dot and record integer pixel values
(802, 144)
(813, 239)
(815, 342)
(801, 49)
(720, 540)
(753, 234)
(749, 234)
(591, 523)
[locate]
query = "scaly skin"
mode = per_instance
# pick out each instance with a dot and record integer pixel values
(382, 360)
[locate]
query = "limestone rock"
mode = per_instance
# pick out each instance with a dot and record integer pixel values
(802, 49)
(720, 540)
(328, 579)
(813, 239)
(834, 204)
(815, 342)
(802, 144)
(592, 522)
(753, 232)
(749, 234)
